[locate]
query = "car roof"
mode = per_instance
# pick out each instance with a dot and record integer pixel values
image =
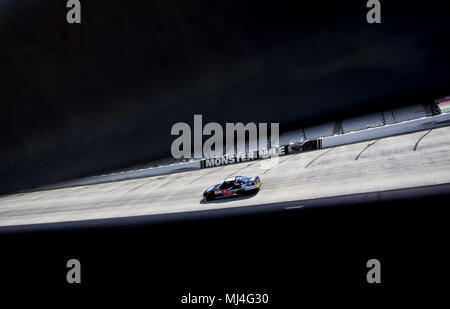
(234, 178)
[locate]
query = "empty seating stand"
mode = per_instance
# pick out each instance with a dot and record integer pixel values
(388, 117)
(319, 131)
(362, 122)
(408, 113)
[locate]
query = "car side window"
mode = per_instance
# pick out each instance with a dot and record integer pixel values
(226, 185)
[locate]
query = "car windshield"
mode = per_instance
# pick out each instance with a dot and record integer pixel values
(227, 185)
(243, 179)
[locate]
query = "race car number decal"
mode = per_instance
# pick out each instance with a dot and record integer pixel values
(226, 192)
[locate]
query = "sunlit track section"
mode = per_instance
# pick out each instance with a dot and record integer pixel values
(404, 161)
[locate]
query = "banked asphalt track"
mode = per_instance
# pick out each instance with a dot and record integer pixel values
(370, 170)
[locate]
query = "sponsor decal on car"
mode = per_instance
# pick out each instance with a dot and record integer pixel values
(227, 192)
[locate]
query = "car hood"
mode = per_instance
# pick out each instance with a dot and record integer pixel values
(213, 188)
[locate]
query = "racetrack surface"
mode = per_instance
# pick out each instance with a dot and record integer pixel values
(406, 161)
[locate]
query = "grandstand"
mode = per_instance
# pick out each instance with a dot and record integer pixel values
(326, 129)
(362, 122)
(373, 120)
(388, 117)
(409, 113)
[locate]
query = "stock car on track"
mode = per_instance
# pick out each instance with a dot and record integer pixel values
(233, 186)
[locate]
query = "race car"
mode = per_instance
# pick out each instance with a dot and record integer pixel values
(233, 186)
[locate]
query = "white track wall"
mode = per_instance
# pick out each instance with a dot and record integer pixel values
(155, 171)
(387, 130)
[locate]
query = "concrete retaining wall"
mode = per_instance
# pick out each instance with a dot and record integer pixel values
(387, 130)
(154, 171)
